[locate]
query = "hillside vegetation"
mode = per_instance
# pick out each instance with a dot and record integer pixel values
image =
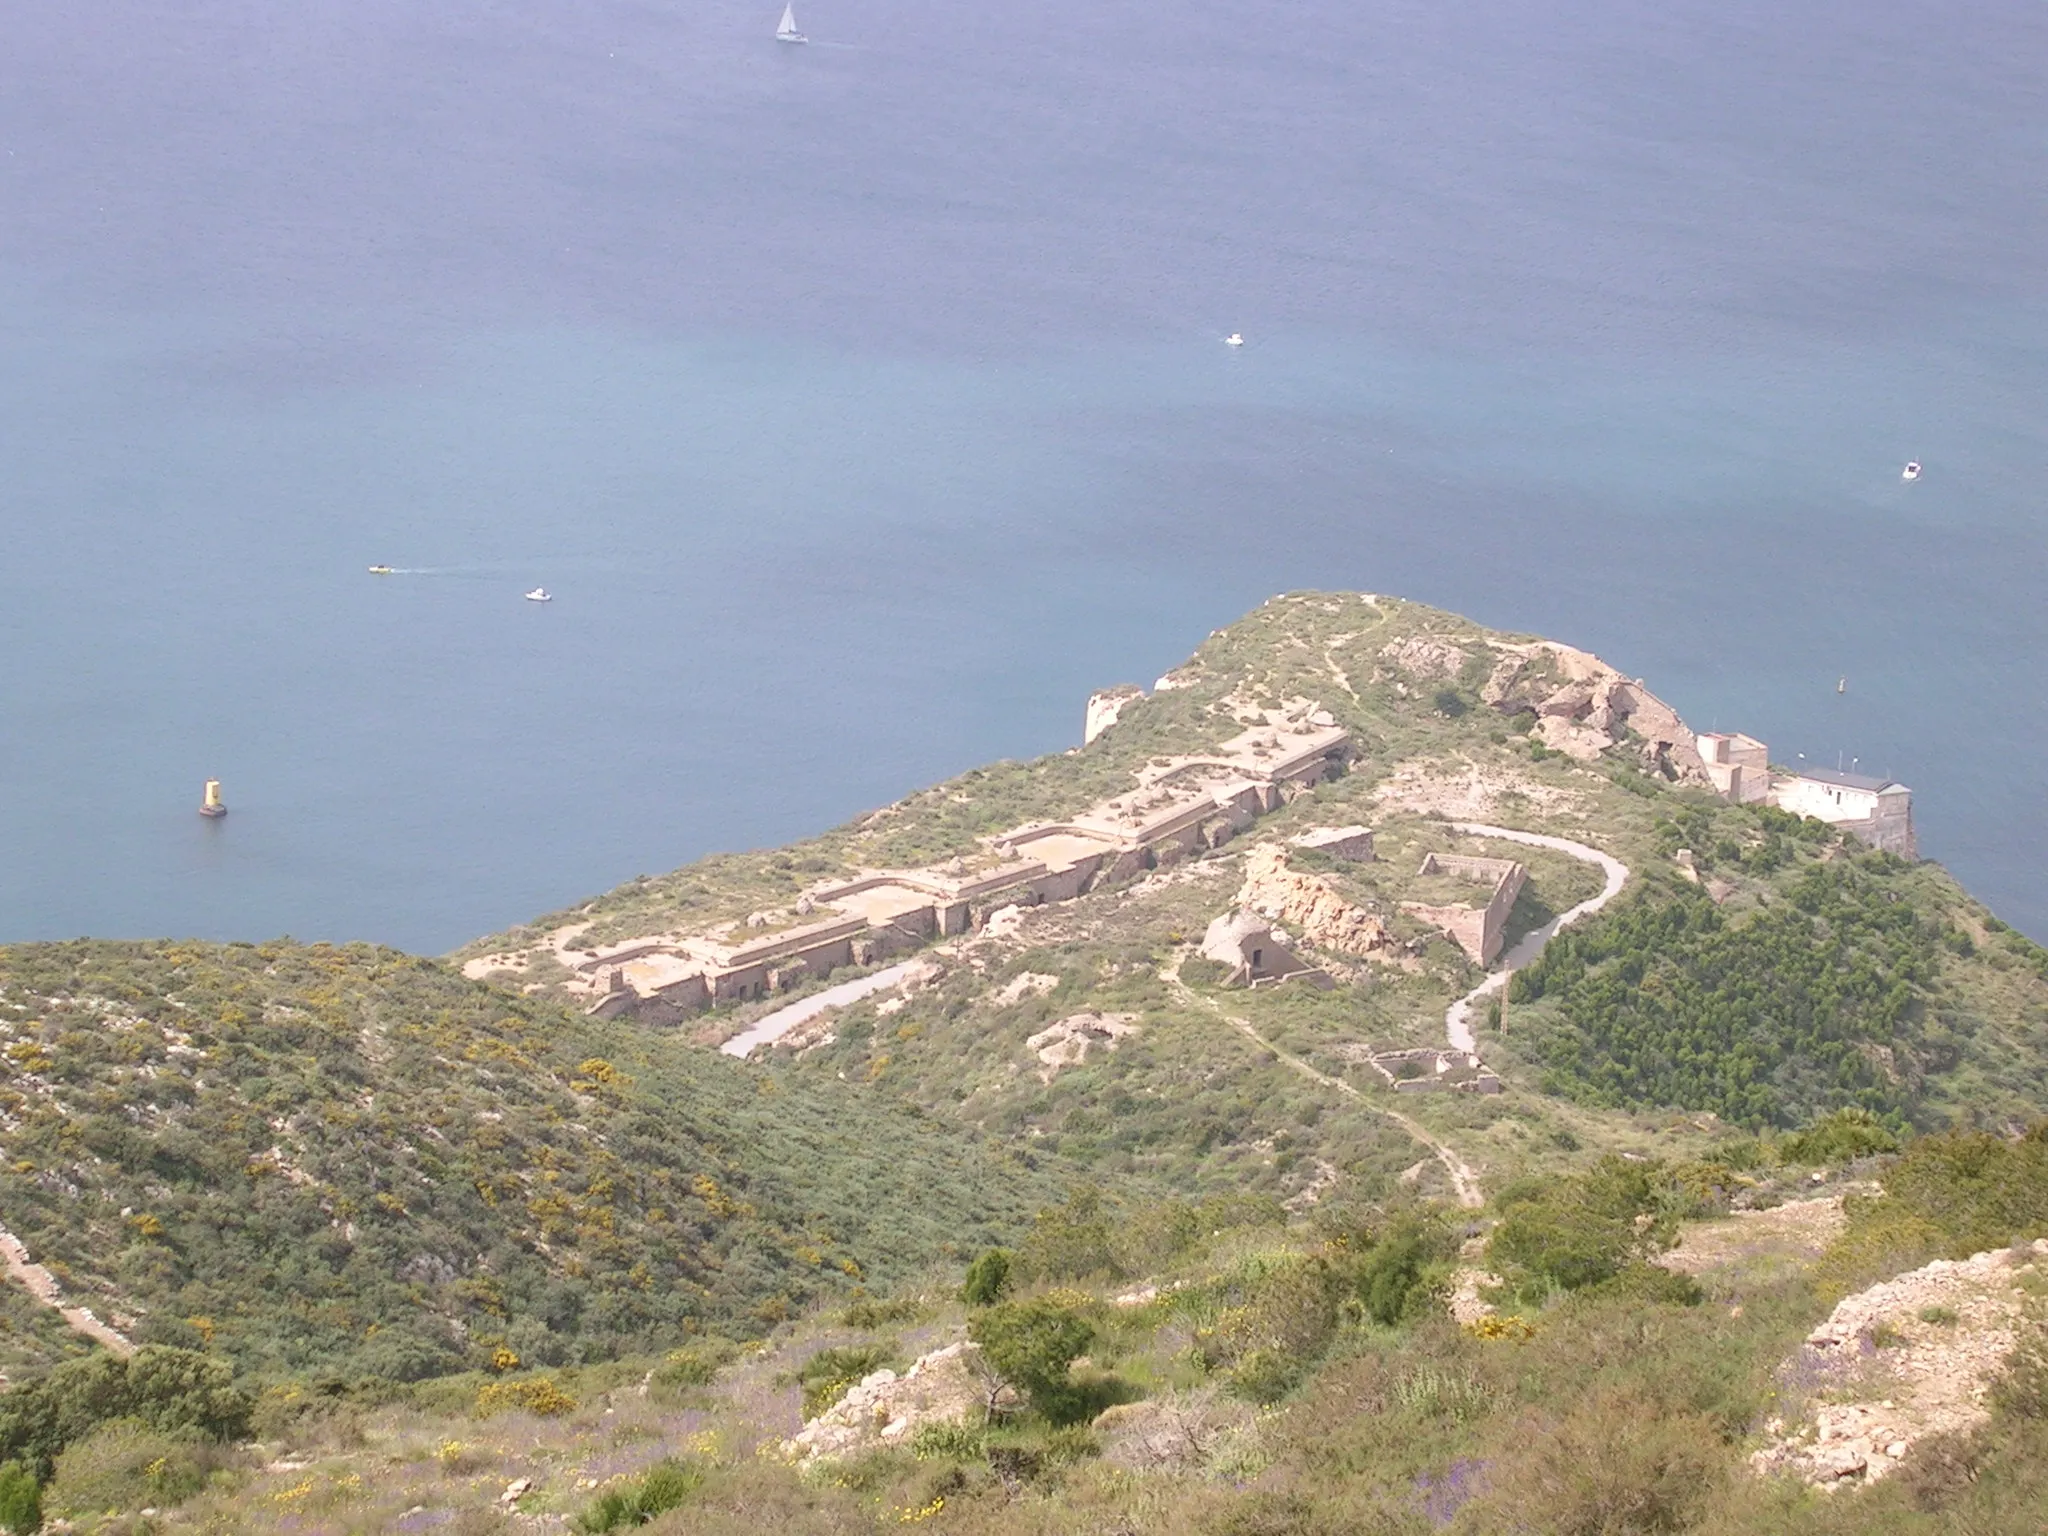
(353, 1162)
(1231, 1261)
(1268, 1377)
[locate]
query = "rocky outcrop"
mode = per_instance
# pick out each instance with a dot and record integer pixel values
(945, 1386)
(1426, 656)
(1308, 905)
(1105, 706)
(1585, 709)
(1904, 1360)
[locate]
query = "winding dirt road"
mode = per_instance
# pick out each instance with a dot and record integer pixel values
(43, 1286)
(1458, 1018)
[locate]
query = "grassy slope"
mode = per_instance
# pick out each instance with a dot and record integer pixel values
(353, 1161)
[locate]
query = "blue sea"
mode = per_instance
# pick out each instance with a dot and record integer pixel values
(864, 406)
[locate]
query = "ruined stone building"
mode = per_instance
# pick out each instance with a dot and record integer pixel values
(1739, 765)
(1175, 807)
(1480, 929)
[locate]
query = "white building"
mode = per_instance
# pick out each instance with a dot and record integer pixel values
(1874, 811)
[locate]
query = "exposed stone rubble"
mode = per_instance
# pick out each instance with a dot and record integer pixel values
(1309, 905)
(1919, 1375)
(1066, 1043)
(886, 1409)
(1426, 656)
(1593, 710)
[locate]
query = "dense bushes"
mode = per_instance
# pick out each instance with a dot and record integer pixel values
(21, 1500)
(1032, 1344)
(1811, 1004)
(124, 1464)
(354, 1162)
(171, 1391)
(1947, 1196)
(988, 1277)
(1569, 1233)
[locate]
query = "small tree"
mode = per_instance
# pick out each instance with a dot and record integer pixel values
(21, 1500)
(988, 1278)
(1031, 1344)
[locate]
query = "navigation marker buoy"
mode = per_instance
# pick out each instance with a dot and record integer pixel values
(211, 806)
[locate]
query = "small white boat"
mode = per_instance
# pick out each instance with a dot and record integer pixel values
(787, 32)
(1233, 340)
(540, 595)
(1911, 471)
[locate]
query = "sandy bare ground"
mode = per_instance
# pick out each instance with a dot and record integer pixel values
(1458, 1018)
(768, 1030)
(1788, 1236)
(43, 1286)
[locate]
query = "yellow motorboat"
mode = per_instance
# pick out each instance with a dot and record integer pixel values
(380, 570)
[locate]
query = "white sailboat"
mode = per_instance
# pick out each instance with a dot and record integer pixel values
(787, 32)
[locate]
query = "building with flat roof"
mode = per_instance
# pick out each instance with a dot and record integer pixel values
(1873, 810)
(1739, 765)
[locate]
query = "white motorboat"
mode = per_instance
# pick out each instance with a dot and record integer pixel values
(787, 32)
(1911, 471)
(540, 595)
(1233, 340)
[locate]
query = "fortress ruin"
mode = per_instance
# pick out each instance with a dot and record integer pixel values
(1478, 930)
(1175, 807)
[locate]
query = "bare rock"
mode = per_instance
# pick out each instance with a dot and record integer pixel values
(1068, 1042)
(1308, 904)
(1426, 656)
(1104, 708)
(943, 1387)
(1946, 1330)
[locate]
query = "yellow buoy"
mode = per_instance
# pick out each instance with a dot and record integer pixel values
(211, 805)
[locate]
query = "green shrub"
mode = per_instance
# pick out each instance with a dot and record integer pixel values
(988, 1278)
(1072, 1241)
(125, 1464)
(952, 1441)
(661, 1488)
(1575, 1232)
(1947, 1196)
(1264, 1376)
(1032, 1345)
(872, 1312)
(1841, 1137)
(1637, 1281)
(1395, 1280)
(21, 1500)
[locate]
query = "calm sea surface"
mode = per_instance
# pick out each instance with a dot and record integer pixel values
(864, 406)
